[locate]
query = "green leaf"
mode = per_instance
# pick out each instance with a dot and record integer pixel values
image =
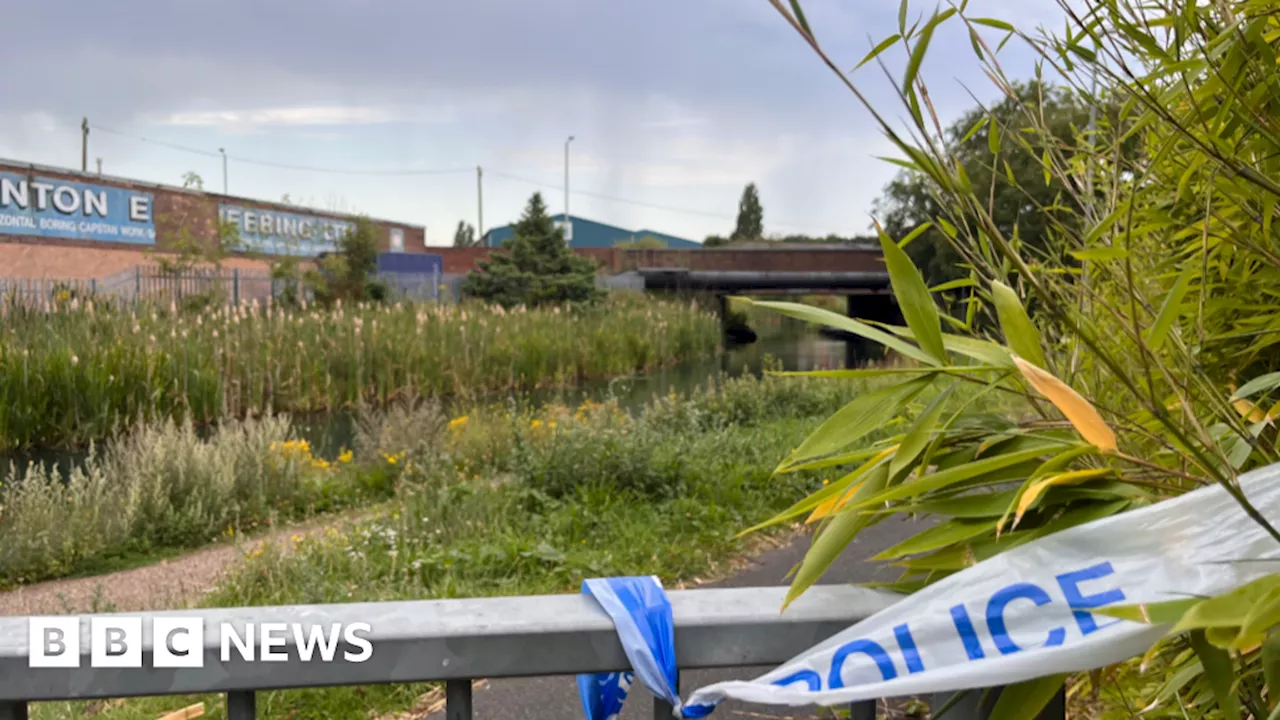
(944, 478)
(851, 422)
(1270, 381)
(1159, 613)
(919, 436)
(884, 45)
(810, 503)
(922, 45)
(938, 536)
(1169, 310)
(1022, 336)
(952, 285)
(1025, 700)
(1100, 253)
(820, 316)
(1219, 673)
(795, 8)
(993, 138)
(1271, 667)
(982, 122)
(978, 505)
(915, 233)
(914, 299)
(992, 22)
(835, 537)
(902, 17)
(1230, 610)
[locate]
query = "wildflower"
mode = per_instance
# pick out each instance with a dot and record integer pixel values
(458, 422)
(75, 360)
(552, 424)
(345, 457)
(535, 424)
(826, 481)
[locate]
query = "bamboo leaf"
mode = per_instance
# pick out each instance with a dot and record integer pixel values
(1025, 700)
(820, 316)
(919, 436)
(799, 12)
(834, 504)
(1169, 310)
(902, 17)
(1079, 412)
(851, 422)
(1271, 668)
(913, 298)
(1098, 254)
(993, 138)
(993, 23)
(918, 52)
(884, 45)
(1036, 488)
(938, 536)
(1019, 332)
(826, 494)
(1158, 613)
(1219, 673)
(985, 468)
(834, 538)
(1270, 381)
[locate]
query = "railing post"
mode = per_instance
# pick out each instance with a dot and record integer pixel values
(235, 284)
(13, 710)
(457, 699)
(662, 709)
(865, 710)
(242, 705)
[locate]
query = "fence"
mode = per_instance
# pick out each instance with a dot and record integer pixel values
(455, 641)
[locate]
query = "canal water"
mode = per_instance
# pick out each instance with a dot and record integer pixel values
(329, 433)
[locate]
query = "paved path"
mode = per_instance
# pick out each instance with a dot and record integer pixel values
(556, 698)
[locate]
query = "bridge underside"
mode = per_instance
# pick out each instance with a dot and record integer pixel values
(766, 282)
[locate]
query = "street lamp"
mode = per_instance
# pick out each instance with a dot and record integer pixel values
(224, 169)
(568, 224)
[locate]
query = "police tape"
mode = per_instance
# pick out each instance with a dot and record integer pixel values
(1025, 613)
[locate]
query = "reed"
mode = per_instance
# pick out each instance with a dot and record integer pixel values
(76, 373)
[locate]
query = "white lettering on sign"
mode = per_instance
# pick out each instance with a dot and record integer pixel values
(140, 208)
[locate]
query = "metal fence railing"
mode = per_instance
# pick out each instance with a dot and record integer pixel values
(455, 641)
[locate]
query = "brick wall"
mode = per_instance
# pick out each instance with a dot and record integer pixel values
(615, 260)
(174, 209)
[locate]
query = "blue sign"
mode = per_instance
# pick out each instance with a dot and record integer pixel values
(281, 233)
(56, 208)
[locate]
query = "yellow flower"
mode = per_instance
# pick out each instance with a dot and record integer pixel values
(345, 457)
(535, 424)
(457, 422)
(826, 481)
(552, 424)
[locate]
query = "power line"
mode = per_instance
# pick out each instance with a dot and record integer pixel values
(612, 198)
(285, 166)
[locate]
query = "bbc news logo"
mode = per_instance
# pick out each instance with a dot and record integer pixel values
(178, 642)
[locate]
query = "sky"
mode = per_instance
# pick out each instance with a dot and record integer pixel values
(386, 107)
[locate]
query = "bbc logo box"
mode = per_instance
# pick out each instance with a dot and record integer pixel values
(117, 641)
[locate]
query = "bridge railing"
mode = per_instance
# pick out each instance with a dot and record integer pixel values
(454, 641)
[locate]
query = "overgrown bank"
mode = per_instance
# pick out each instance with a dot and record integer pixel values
(79, 373)
(493, 503)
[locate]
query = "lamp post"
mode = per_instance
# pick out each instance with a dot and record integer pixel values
(224, 169)
(568, 224)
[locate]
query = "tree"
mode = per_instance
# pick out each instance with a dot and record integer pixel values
(348, 274)
(1013, 181)
(750, 215)
(715, 241)
(191, 179)
(465, 235)
(538, 267)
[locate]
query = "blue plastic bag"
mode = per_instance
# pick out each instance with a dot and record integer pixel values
(641, 615)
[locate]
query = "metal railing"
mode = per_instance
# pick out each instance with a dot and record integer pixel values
(455, 641)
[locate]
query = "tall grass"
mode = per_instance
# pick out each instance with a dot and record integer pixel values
(79, 372)
(505, 503)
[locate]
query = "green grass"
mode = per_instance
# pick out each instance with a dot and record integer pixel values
(512, 504)
(79, 373)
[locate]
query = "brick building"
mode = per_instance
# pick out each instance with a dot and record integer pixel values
(61, 223)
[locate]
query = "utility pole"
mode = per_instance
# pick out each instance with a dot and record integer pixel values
(99, 167)
(224, 169)
(568, 224)
(480, 203)
(84, 144)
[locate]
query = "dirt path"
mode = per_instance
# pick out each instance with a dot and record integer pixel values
(169, 584)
